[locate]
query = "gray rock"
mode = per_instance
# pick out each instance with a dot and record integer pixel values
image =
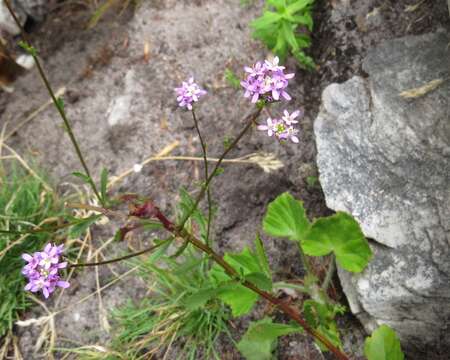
(386, 159)
(36, 9)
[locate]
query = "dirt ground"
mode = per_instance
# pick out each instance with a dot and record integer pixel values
(123, 109)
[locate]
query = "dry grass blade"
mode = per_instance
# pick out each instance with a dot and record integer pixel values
(49, 327)
(414, 7)
(17, 353)
(102, 313)
(27, 167)
(35, 113)
(112, 282)
(5, 346)
(422, 90)
(167, 150)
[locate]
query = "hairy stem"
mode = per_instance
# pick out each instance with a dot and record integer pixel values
(57, 104)
(305, 261)
(208, 190)
(329, 275)
(125, 257)
(251, 118)
(290, 311)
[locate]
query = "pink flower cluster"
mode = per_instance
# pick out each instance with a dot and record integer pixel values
(188, 93)
(283, 128)
(42, 270)
(267, 81)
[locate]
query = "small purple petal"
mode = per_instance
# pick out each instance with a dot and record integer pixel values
(286, 95)
(63, 284)
(27, 257)
(45, 292)
(28, 286)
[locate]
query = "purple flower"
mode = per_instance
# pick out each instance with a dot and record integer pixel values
(289, 133)
(42, 270)
(289, 119)
(188, 93)
(271, 127)
(283, 128)
(273, 65)
(267, 81)
(49, 257)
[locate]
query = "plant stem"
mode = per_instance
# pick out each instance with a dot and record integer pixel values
(107, 212)
(208, 190)
(129, 256)
(252, 118)
(56, 103)
(283, 306)
(329, 275)
(305, 261)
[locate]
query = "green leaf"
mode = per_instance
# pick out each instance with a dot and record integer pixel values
(298, 5)
(232, 292)
(150, 225)
(303, 41)
(244, 263)
(82, 176)
(260, 280)
(104, 184)
(28, 48)
(342, 235)
(238, 297)
(288, 33)
(260, 339)
(305, 19)
(80, 227)
(268, 18)
(185, 206)
(281, 46)
(262, 257)
(286, 217)
(321, 316)
(279, 5)
(200, 298)
(383, 345)
(304, 60)
(60, 104)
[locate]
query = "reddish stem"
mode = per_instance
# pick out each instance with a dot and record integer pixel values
(290, 311)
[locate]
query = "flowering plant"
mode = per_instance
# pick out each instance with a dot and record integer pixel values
(237, 280)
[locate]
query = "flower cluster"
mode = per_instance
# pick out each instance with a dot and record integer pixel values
(267, 81)
(188, 93)
(283, 128)
(42, 270)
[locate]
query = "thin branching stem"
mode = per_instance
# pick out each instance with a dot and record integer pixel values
(208, 189)
(125, 257)
(57, 104)
(251, 119)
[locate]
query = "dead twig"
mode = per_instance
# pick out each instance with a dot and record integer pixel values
(422, 90)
